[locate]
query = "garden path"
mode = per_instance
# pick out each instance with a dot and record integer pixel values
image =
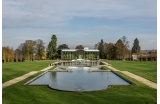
(138, 78)
(18, 79)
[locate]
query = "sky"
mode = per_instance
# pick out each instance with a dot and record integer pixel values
(76, 22)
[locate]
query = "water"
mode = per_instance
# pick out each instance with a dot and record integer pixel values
(83, 63)
(79, 80)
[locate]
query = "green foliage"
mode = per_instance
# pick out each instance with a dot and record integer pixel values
(110, 50)
(52, 50)
(119, 49)
(63, 46)
(60, 48)
(90, 56)
(113, 51)
(101, 49)
(136, 48)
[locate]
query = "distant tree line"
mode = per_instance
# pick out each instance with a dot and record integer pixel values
(32, 50)
(29, 50)
(120, 50)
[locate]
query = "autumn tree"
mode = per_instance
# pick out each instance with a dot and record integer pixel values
(40, 49)
(28, 49)
(119, 49)
(7, 54)
(52, 50)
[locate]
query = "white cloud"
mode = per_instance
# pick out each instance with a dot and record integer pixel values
(55, 15)
(56, 11)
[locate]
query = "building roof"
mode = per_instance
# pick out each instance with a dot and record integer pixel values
(92, 50)
(69, 50)
(87, 50)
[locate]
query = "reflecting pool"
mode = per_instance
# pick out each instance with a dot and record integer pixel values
(79, 79)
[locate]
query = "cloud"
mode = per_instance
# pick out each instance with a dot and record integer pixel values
(40, 12)
(76, 21)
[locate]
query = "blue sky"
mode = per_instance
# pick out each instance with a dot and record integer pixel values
(76, 22)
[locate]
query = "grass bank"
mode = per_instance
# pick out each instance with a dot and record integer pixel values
(12, 70)
(145, 69)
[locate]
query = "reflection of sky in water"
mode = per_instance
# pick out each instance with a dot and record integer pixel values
(79, 79)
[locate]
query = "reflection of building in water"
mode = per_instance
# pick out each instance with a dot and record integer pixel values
(86, 53)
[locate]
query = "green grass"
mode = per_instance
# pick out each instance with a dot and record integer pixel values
(137, 94)
(144, 69)
(12, 70)
(19, 94)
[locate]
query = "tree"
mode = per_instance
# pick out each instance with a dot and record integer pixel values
(40, 49)
(125, 50)
(119, 49)
(20, 47)
(7, 54)
(52, 50)
(63, 46)
(136, 48)
(60, 47)
(79, 47)
(110, 50)
(101, 49)
(27, 49)
(17, 54)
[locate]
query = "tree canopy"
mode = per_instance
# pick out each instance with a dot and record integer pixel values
(59, 49)
(79, 47)
(63, 46)
(136, 48)
(52, 48)
(40, 49)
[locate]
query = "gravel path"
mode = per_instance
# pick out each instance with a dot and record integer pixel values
(138, 78)
(141, 79)
(18, 79)
(15, 80)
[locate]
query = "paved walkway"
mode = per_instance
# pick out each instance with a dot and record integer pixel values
(18, 79)
(138, 78)
(141, 79)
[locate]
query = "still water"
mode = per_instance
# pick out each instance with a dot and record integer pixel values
(79, 80)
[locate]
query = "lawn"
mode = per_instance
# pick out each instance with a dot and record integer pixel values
(19, 94)
(146, 69)
(12, 70)
(137, 94)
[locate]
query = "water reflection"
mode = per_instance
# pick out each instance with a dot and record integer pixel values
(79, 80)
